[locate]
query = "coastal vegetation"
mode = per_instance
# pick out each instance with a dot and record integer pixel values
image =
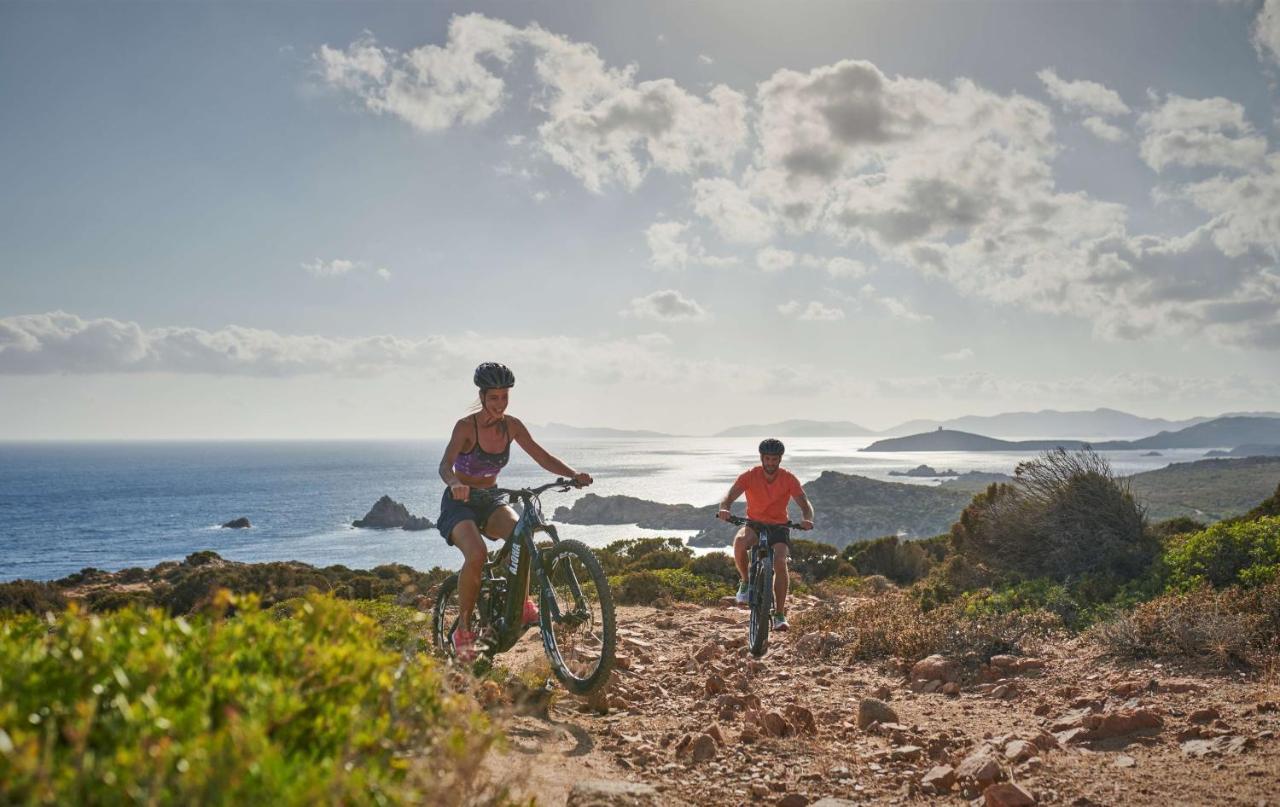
(234, 705)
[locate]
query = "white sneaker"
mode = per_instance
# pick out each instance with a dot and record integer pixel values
(743, 596)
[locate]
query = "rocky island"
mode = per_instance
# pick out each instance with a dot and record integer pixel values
(925, 471)
(389, 514)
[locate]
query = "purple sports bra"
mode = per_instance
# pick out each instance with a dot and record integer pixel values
(480, 463)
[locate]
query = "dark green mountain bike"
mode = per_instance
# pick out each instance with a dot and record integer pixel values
(760, 582)
(577, 621)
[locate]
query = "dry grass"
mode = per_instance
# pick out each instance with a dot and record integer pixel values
(1231, 627)
(894, 626)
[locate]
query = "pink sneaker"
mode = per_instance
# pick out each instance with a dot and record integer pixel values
(531, 615)
(464, 645)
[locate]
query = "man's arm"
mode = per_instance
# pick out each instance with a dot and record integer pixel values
(806, 509)
(735, 491)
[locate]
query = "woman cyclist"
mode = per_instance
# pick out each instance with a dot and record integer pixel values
(466, 466)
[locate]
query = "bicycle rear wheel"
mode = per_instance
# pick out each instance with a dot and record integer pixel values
(761, 605)
(581, 642)
(444, 619)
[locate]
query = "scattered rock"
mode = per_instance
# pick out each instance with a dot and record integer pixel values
(702, 748)
(241, 523)
(802, 719)
(980, 766)
(906, 753)
(612, 793)
(1019, 751)
(873, 710)
(707, 652)
(1216, 747)
(1206, 715)
(1007, 794)
(1125, 761)
(793, 800)
(775, 725)
(941, 778)
(936, 668)
(951, 689)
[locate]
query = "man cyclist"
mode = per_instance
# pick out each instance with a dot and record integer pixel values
(769, 490)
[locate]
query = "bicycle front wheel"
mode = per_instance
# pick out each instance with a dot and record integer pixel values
(761, 605)
(578, 631)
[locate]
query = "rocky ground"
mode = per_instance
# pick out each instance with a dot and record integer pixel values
(693, 719)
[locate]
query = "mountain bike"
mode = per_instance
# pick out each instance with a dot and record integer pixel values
(760, 582)
(576, 619)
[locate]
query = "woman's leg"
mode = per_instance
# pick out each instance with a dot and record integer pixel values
(499, 525)
(466, 536)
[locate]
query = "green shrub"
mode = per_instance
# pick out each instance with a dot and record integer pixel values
(1064, 515)
(903, 562)
(649, 587)
(636, 588)
(1246, 552)
(637, 554)
(716, 566)
(815, 561)
(141, 707)
(1181, 525)
(29, 596)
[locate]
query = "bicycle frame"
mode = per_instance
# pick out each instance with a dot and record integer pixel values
(511, 564)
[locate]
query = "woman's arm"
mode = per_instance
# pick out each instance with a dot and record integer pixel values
(543, 457)
(461, 492)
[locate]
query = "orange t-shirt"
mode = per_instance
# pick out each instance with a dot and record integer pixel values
(767, 501)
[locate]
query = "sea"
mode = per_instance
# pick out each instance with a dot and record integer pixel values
(65, 506)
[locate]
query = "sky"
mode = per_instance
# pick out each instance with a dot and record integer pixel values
(313, 219)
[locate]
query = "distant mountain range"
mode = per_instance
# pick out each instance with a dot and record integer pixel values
(562, 430)
(800, 428)
(1217, 433)
(1049, 425)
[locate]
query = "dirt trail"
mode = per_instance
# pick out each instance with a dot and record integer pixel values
(1067, 728)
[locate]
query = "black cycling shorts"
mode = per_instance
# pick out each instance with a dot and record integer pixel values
(478, 508)
(777, 534)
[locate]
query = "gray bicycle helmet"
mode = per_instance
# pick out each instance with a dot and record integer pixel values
(492, 375)
(772, 446)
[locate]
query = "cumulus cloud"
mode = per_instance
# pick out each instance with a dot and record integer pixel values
(671, 246)
(59, 342)
(1266, 31)
(602, 125)
(62, 343)
(1199, 132)
(340, 266)
(1105, 131)
(813, 312)
(1087, 97)
(772, 259)
(958, 182)
(729, 208)
(667, 305)
(895, 307)
(963, 354)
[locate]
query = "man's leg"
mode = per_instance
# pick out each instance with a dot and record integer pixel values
(742, 543)
(780, 553)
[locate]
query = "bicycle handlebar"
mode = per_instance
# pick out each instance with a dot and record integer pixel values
(523, 493)
(751, 522)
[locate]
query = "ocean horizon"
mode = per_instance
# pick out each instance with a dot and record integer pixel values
(108, 504)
